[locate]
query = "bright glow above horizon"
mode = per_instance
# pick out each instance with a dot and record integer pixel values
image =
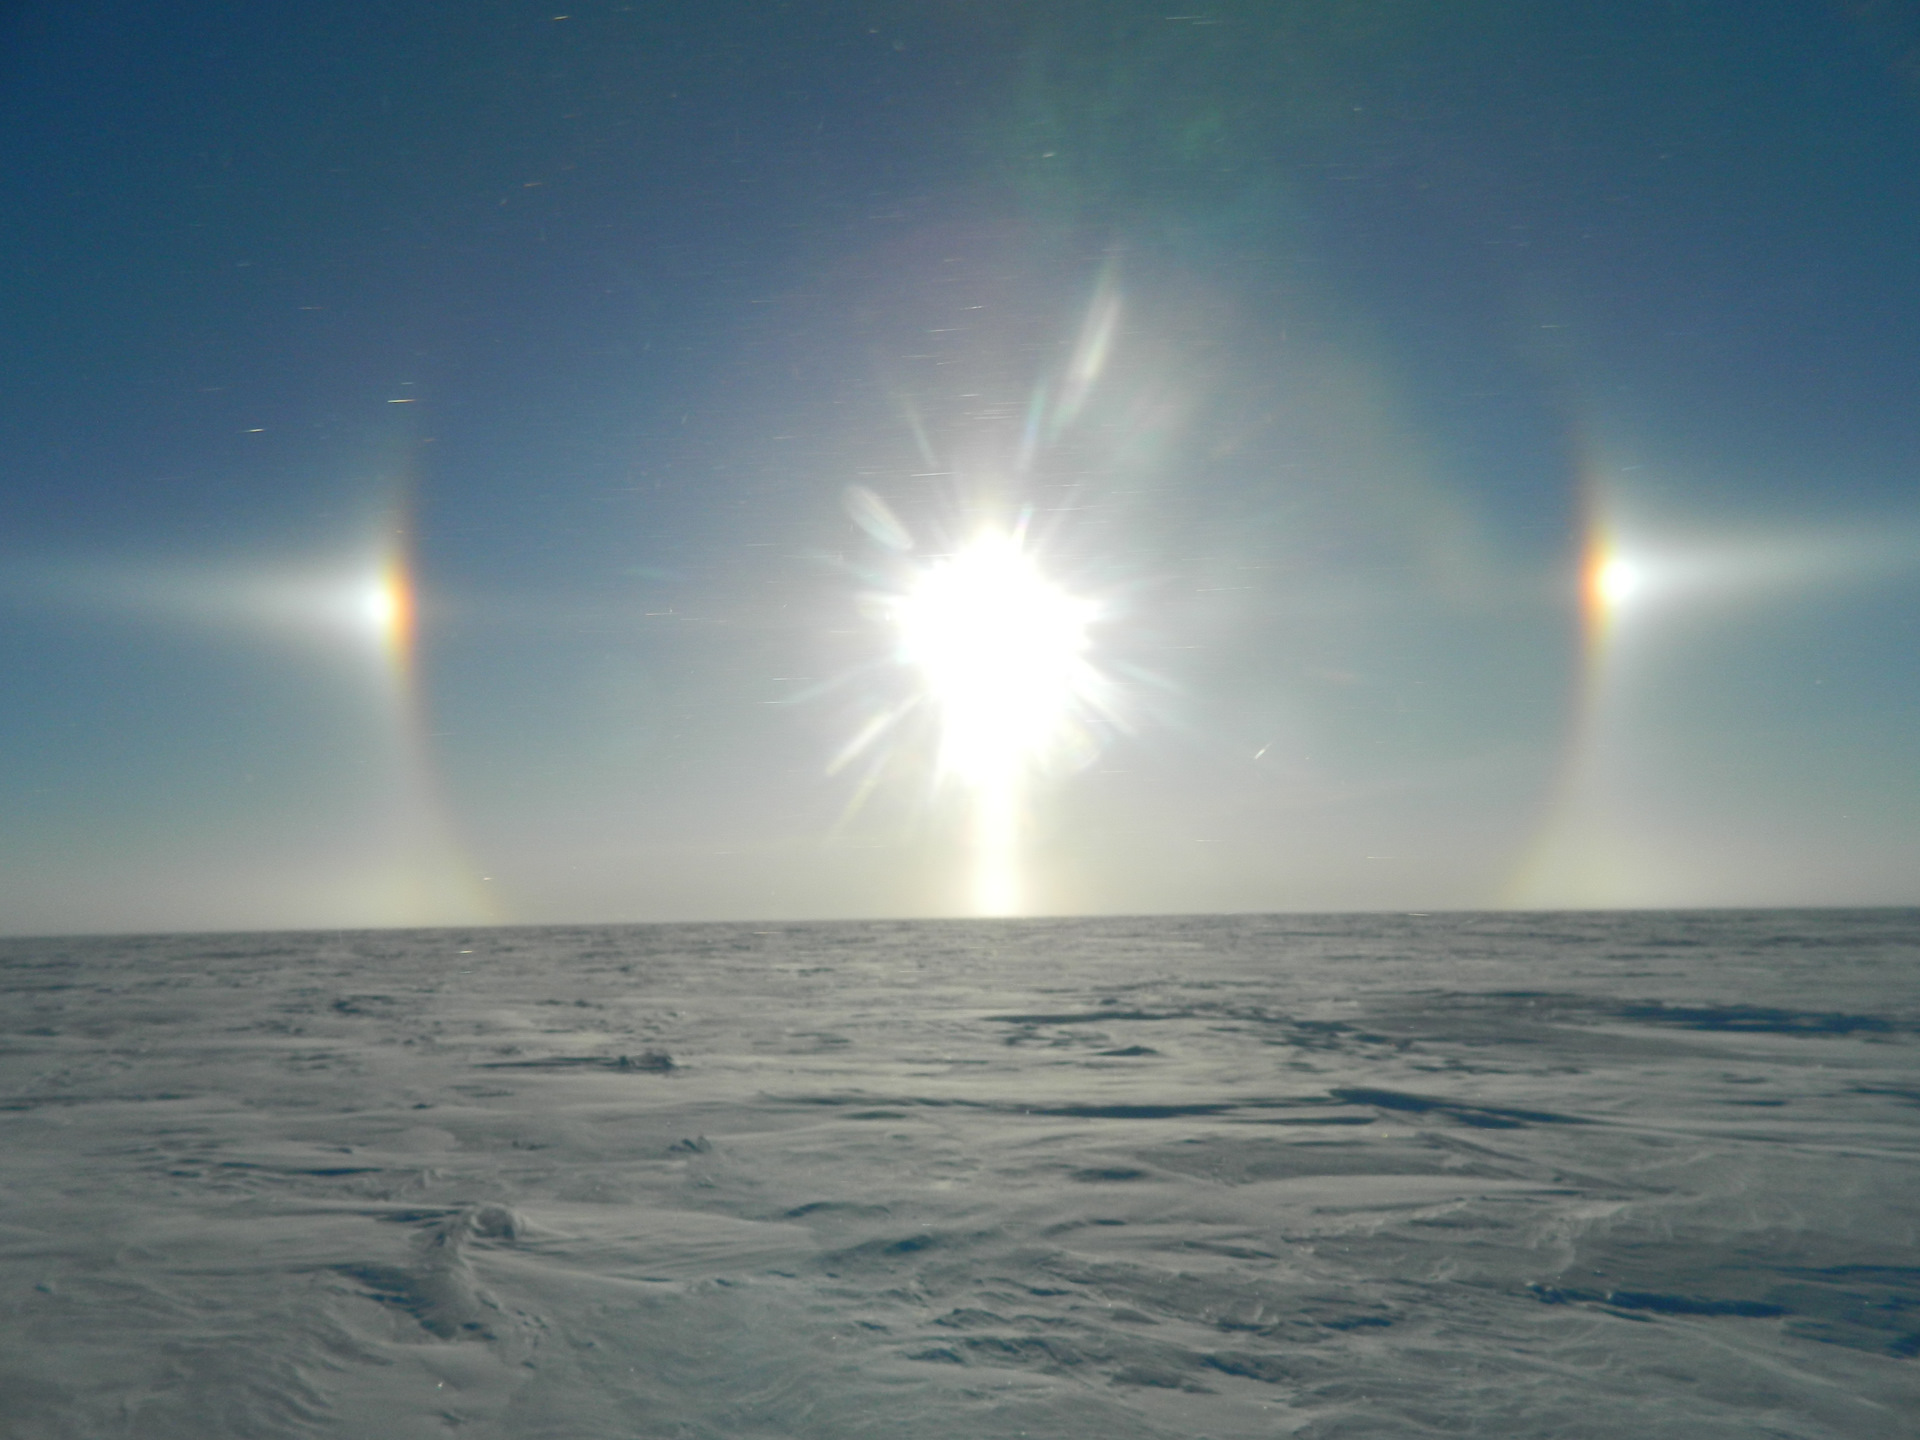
(1614, 580)
(382, 606)
(1001, 652)
(1617, 580)
(388, 610)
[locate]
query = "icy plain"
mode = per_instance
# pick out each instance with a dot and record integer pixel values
(1644, 1175)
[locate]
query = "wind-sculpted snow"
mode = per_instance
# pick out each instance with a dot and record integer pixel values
(1513, 1176)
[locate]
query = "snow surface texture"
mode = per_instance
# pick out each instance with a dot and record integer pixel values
(1634, 1175)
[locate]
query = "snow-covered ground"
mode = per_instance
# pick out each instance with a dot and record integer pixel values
(1516, 1176)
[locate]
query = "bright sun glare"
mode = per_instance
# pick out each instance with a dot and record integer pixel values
(1616, 581)
(381, 607)
(1001, 652)
(386, 608)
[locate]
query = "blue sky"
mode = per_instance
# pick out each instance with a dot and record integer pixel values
(1331, 349)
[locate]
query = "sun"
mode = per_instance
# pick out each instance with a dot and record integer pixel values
(1000, 651)
(1001, 654)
